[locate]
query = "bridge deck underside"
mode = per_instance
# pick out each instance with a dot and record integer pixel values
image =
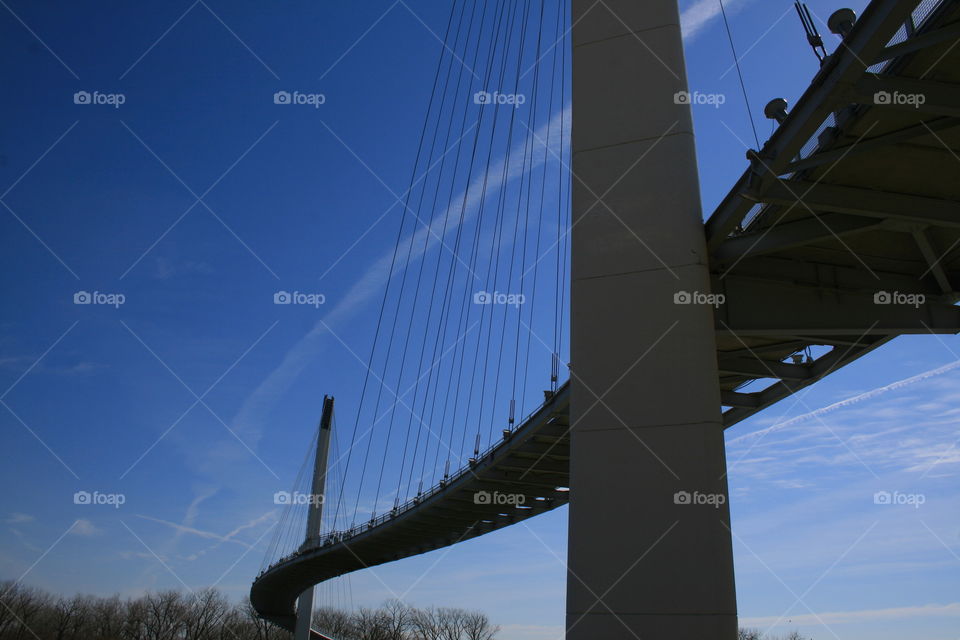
(850, 199)
(833, 235)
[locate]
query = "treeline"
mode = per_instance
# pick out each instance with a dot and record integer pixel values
(756, 634)
(27, 613)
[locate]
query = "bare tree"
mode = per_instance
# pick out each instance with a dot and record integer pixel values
(108, 618)
(756, 634)
(32, 614)
(203, 613)
(476, 626)
(73, 618)
(165, 615)
(334, 623)
(451, 623)
(21, 609)
(397, 616)
(424, 625)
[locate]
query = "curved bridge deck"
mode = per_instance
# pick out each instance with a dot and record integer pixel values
(532, 462)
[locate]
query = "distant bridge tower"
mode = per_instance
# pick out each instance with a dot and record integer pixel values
(645, 561)
(314, 514)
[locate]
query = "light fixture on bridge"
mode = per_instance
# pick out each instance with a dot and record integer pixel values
(776, 109)
(562, 489)
(841, 22)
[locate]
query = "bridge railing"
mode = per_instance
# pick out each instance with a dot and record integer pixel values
(334, 537)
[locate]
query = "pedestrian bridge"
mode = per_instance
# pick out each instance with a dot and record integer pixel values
(842, 233)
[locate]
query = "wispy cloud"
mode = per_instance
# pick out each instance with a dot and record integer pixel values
(85, 528)
(19, 518)
(531, 631)
(26, 540)
(143, 555)
(193, 510)
(254, 413)
(701, 13)
(864, 615)
(269, 516)
(860, 397)
(75, 369)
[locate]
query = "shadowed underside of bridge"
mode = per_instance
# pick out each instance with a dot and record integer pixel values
(845, 218)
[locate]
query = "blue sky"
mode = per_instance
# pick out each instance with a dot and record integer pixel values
(199, 197)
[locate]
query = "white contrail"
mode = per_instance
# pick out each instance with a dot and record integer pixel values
(867, 395)
(193, 531)
(254, 412)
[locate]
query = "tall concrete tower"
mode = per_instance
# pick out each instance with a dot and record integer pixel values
(303, 629)
(649, 545)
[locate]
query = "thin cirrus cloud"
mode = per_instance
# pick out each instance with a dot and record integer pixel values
(254, 413)
(865, 615)
(860, 397)
(699, 14)
(84, 528)
(19, 518)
